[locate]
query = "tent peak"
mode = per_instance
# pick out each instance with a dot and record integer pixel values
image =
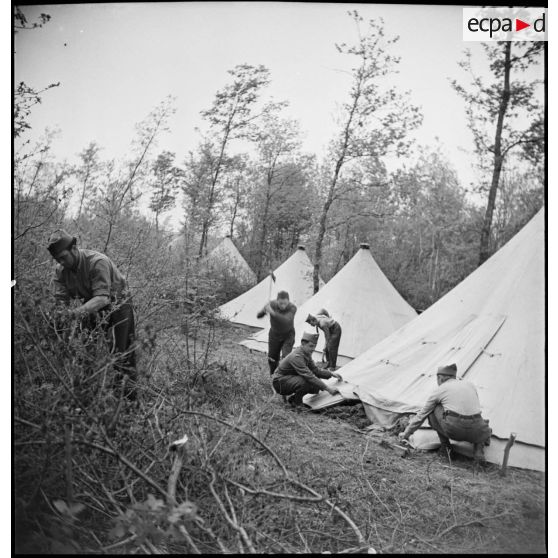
(227, 236)
(301, 247)
(365, 246)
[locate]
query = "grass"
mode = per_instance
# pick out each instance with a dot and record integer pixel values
(402, 505)
(254, 474)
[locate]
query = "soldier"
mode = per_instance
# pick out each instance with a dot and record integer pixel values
(297, 374)
(93, 278)
(281, 331)
(453, 410)
(332, 332)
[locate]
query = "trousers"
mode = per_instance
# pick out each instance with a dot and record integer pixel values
(332, 347)
(293, 385)
(279, 346)
(473, 430)
(121, 331)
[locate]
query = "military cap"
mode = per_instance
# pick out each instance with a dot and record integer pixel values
(60, 240)
(310, 337)
(310, 319)
(447, 370)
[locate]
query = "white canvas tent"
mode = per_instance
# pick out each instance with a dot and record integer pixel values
(361, 298)
(226, 255)
(492, 326)
(294, 276)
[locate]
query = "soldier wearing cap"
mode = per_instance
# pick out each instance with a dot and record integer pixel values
(332, 332)
(453, 410)
(297, 374)
(93, 278)
(281, 329)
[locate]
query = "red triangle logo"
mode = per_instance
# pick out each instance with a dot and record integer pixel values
(519, 25)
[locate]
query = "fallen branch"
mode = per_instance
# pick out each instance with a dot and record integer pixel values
(126, 462)
(304, 487)
(472, 522)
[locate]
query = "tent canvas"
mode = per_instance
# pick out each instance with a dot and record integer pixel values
(492, 326)
(226, 254)
(295, 276)
(362, 299)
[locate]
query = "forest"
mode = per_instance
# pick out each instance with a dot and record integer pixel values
(92, 473)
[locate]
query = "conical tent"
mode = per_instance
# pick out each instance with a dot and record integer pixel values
(294, 276)
(361, 298)
(492, 326)
(226, 254)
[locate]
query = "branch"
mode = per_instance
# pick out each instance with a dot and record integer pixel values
(473, 521)
(518, 142)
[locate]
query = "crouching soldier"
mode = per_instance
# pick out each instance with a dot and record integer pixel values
(332, 332)
(297, 374)
(453, 410)
(93, 278)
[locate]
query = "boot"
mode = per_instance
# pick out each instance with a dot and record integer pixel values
(295, 400)
(478, 454)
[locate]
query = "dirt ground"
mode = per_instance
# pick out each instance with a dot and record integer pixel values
(417, 504)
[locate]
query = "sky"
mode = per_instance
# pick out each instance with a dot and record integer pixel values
(116, 62)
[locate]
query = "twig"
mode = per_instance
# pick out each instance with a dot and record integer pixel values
(188, 538)
(200, 523)
(68, 454)
(263, 492)
(175, 473)
(333, 507)
(473, 521)
(126, 462)
(120, 543)
(238, 528)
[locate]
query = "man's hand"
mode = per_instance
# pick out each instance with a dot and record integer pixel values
(333, 391)
(403, 437)
(338, 376)
(260, 314)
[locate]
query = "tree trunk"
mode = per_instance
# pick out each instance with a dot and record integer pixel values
(108, 237)
(261, 241)
(484, 252)
(319, 244)
(331, 191)
(205, 227)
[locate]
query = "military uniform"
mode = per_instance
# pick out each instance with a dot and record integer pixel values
(95, 274)
(332, 331)
(453, 411)
(297, 374)
(281, 335)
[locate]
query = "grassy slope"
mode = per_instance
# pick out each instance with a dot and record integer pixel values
(416, 504)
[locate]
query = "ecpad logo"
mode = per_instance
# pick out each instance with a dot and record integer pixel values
(504, 24)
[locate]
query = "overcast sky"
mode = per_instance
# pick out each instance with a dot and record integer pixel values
(115, 62)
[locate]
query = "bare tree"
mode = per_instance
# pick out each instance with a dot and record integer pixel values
(373, 121)
(501, 102)
(230, 118)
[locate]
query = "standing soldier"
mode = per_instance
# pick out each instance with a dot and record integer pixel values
(297, 374)
(281, 332)
(93, 278)
(332, 332)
